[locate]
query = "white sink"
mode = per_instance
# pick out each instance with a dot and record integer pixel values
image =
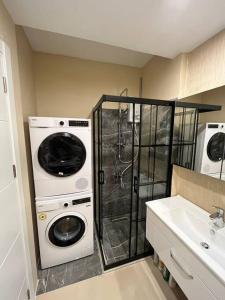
(193, 226)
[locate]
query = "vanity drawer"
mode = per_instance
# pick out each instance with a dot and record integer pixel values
(182, 264)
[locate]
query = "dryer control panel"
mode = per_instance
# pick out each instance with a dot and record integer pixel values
(216, 126)
(73, 123)
(78, 123)
(45, 122)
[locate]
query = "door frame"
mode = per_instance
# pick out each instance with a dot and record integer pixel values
(7, 69)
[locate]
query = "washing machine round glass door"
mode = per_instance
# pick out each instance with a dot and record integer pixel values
(62, 154)
(66, 230)
(216, 147)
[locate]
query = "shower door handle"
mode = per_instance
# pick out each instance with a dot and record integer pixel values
(135, 184)
(101, 177)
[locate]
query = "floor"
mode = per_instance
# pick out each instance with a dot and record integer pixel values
(115, 242)
(140, 280)
(115, 248)
(60, 276)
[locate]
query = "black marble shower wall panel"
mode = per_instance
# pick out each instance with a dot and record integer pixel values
(116, 199)
(112, 190)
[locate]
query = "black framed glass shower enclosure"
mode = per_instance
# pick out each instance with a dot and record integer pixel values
(135, 142)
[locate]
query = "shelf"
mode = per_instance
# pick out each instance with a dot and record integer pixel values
(200, 107)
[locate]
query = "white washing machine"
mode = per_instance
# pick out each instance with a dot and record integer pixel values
(210, 149)
(61, 155)
(65, 229)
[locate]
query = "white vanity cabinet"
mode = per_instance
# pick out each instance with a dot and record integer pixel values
(194, 278)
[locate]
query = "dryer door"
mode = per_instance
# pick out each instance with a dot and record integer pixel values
(216, 147)
(66, 230)
(62, 154)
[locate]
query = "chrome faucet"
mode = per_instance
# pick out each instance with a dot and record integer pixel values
(218, 217)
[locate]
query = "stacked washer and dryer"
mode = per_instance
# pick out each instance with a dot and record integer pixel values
(62, 169)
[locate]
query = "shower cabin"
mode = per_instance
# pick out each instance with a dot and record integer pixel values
(135, 143)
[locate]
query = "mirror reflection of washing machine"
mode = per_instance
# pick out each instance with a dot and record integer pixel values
(210, 151)
(215, 147)
(61, 155)
(65, 228)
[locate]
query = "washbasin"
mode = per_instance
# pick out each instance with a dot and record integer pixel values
(193, 226)
(201, 231)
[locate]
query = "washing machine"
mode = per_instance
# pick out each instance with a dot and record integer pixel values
(210, 149)
(61, 156)
(65, 229)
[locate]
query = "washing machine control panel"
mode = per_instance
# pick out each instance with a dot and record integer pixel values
(81, 201)
(76, 202)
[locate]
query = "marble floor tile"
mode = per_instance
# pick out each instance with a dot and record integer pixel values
(56, 277)
(115, 242)
(140, 280)
(115, 246)
(42, 281)
(69, 273)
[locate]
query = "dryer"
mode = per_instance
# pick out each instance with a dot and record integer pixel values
(61, 155)
(65, 229)
(210, 149)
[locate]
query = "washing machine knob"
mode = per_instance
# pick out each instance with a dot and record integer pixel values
(61, 123)
(66, 204)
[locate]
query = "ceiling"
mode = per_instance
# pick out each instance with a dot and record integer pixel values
(55, 43)
(158, 27)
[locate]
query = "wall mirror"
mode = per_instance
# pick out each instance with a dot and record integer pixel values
(202, 147)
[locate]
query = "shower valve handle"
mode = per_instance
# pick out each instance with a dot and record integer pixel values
(135, 184)
(101, 176)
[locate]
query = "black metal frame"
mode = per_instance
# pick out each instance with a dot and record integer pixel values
(182, 143)
(199, 108)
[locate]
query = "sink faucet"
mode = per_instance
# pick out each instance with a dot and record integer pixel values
(217, 217)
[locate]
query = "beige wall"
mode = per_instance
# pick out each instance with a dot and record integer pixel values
(81, 82)
(188, 74)
(7, 33)
(162, 78)
(26, 72)
(70, 87)
(28, 97)
(205, 66)
(200, 189)
(216, 97)
(193, 99)
(165, 79)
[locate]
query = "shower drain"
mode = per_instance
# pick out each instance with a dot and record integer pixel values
(204, 245)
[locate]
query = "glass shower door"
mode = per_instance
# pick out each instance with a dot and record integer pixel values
(97, 141)
(151, 181)
(116, 170)
(133, 147)
(184, 136)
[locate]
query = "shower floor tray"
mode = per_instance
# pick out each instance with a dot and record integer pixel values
(115, 242)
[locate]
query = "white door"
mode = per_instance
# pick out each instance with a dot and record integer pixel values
(13, 266)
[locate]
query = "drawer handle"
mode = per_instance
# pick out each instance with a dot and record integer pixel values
(180, 266)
